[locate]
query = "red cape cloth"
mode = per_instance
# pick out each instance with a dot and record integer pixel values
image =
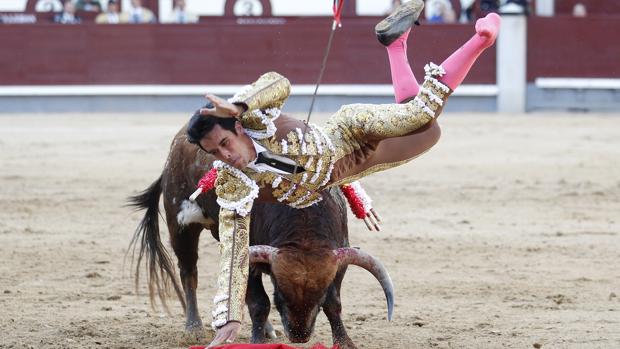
(261, 346)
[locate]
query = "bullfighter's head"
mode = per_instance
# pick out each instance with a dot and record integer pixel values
(224, 138)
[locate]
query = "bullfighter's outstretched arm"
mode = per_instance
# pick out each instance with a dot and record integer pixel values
(262, 101)
(235, 195)
(233, 268)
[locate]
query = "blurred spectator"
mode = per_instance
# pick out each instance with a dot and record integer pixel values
(68, 14)
(439, 11)
(487, 6)
(138, 14)
(111, 16)
(18, 18)
(467, 11)
(514, 6)
(579, 10)
(48, 6)
(522, 3)
(248, 8)
(180, 14)
(88, 5)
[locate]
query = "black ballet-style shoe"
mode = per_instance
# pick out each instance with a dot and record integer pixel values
(397, 23)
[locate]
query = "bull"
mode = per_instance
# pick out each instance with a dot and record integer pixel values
(305, 251)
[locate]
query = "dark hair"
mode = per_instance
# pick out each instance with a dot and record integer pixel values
(200, 125)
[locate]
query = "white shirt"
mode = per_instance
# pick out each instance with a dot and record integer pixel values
(114, 18)
(48, 6)
(264, 167)
(136, 15)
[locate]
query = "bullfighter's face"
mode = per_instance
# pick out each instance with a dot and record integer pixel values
(233, 149)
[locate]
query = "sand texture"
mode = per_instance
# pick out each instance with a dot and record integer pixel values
(505, 235)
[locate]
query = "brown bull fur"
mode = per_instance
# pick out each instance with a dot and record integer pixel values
(305, 273)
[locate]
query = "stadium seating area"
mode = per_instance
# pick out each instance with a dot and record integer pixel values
(478, 9)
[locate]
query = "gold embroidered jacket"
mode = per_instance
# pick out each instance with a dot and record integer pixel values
(237, 189)
(317, 153)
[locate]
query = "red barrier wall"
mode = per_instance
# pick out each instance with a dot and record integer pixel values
(218, 51)
(598, 7)
(221, 51)
(573, 47)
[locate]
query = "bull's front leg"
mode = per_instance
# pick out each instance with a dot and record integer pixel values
(258, 305)
(333, 310)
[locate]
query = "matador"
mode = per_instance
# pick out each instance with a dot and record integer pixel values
(265, 155)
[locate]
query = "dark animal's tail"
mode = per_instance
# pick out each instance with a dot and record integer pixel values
(161, 276)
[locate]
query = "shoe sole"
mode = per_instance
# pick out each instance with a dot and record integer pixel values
(397, 23)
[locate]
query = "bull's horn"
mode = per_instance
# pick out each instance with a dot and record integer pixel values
(348, 255)
(262, 254)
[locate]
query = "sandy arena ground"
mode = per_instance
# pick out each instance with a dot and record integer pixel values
(505, 235)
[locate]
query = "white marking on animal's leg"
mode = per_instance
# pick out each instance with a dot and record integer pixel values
(270, 331)
(191, 213)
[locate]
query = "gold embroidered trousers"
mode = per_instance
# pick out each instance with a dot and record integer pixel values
(369, 138)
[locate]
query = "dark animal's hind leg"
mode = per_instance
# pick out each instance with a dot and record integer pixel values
(333, 309)
(258, 305)
(185, 245)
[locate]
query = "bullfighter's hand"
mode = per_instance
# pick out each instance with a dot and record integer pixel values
(226, 333)
(221, 108)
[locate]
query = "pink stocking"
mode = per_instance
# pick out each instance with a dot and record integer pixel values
(458, 64)
(403, 80)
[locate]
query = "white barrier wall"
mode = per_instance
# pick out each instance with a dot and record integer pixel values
(512, 64)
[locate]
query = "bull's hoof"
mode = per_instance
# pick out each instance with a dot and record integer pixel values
(194, 333)
(194, 326)
(270, 332)
(261, 334)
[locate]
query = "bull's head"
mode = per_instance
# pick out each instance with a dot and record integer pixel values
(303, 278)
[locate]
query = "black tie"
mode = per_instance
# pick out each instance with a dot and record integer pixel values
(264, 158)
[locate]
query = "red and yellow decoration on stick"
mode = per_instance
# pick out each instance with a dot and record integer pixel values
(361, 205)
(206, 183)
